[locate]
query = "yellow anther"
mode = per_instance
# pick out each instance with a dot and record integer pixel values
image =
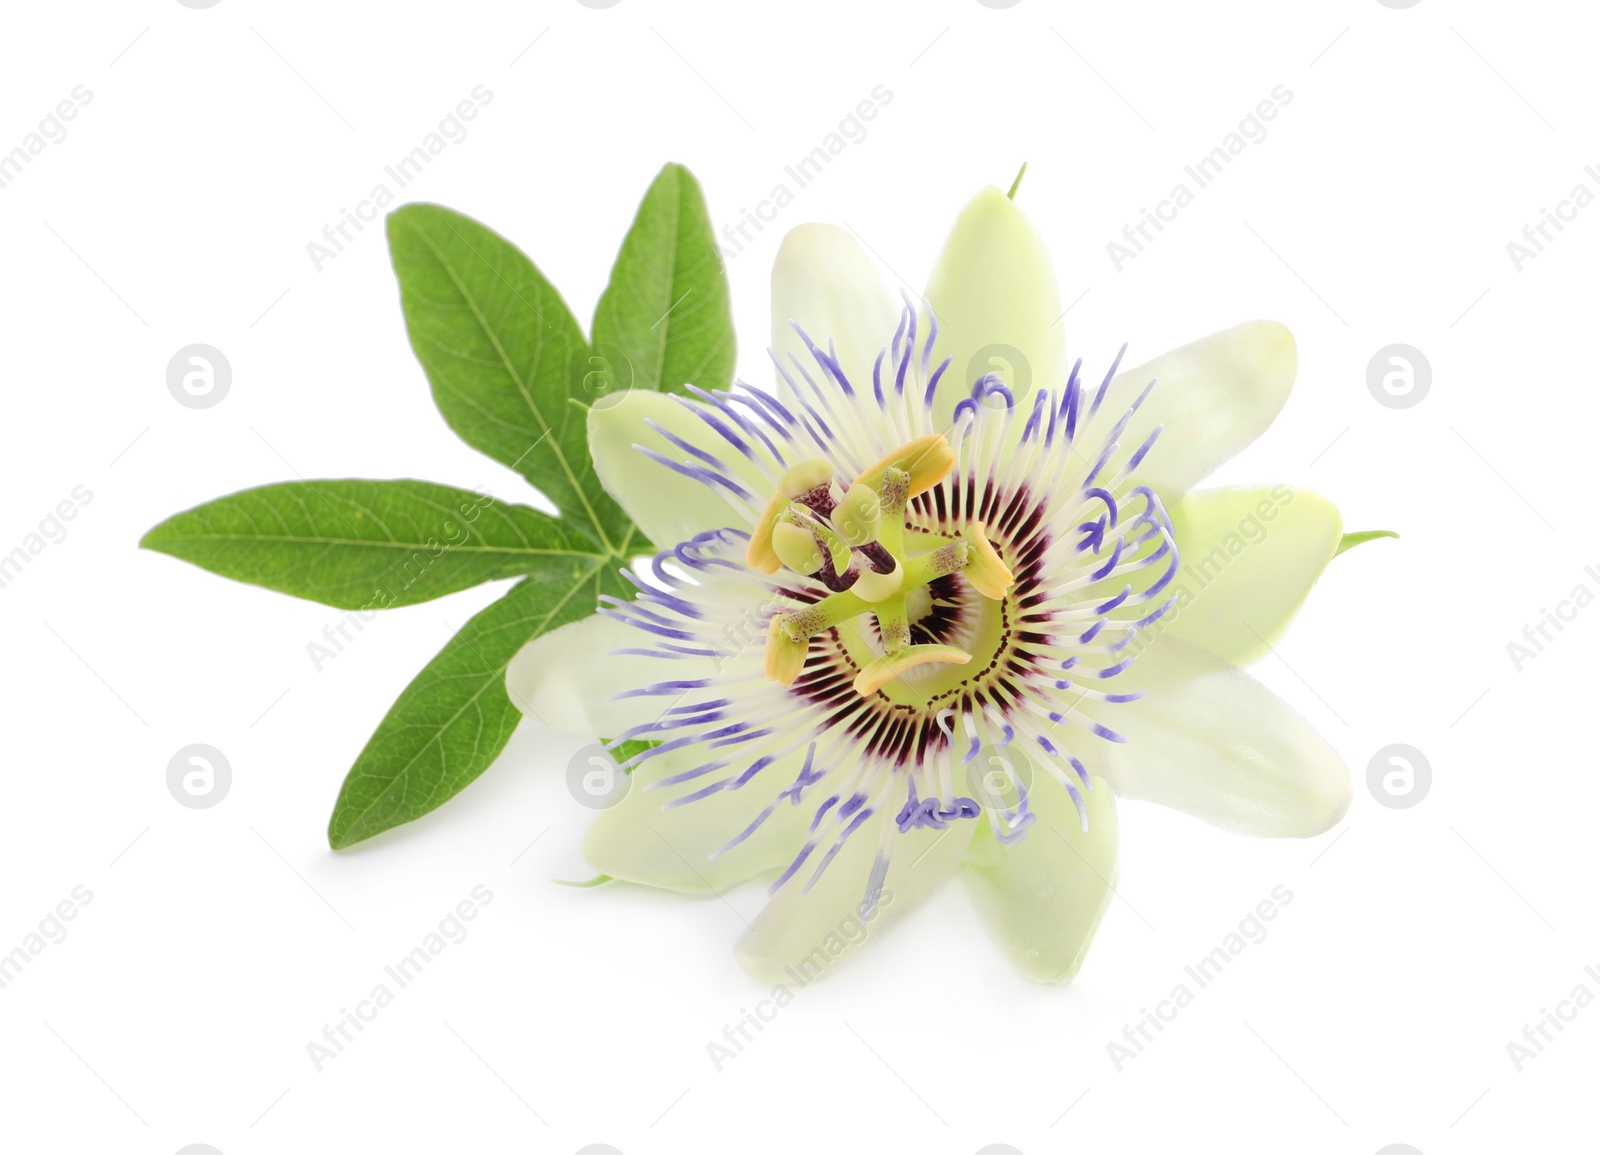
(876, 674)
(796, 547)
(927, 459)
(872, 586)
(785, 657)
(799, 480)
(856, 517)
(985, 572)
(758, 554)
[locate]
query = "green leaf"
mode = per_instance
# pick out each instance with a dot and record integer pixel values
(502, 353)
(359, 544)
(665, 318)
(455, 717)
(1351, 540)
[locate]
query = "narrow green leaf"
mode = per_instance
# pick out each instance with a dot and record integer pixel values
(664, 320)
(501, 352)
(455, 717)
(359, 544)
(1351, 540)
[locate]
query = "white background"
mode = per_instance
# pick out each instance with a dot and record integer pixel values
(219, 942)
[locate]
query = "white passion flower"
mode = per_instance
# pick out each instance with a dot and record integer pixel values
(904, 624)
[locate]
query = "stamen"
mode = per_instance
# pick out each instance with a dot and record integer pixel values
(928, 459)
(796, 547)
(785, 656)
(877, 674)
(799, 480)
(985, 571)
(857, 516)
(759, 554)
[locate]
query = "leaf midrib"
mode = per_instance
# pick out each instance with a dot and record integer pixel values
(522, 388)
(294, 539)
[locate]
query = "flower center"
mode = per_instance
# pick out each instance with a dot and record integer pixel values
(854, 542)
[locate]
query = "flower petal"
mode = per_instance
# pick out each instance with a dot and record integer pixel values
(799, 935)
(993, 292)
(638, 841)
(566, 678)
(1249, 558)
(668, 506)
(1210, 740)
(824, 282)
(1042, 898)
(1212, 397)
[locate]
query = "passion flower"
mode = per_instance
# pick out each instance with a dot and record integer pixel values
(904, 622)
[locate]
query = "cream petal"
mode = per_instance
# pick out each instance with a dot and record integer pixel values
(824, 282)
(668, 506)
(638, 841)
(1210, 740)
(800, 935)
(1043, 897)
(993, 292)
(1249, 559)
(1212, 398)
(566, 678)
